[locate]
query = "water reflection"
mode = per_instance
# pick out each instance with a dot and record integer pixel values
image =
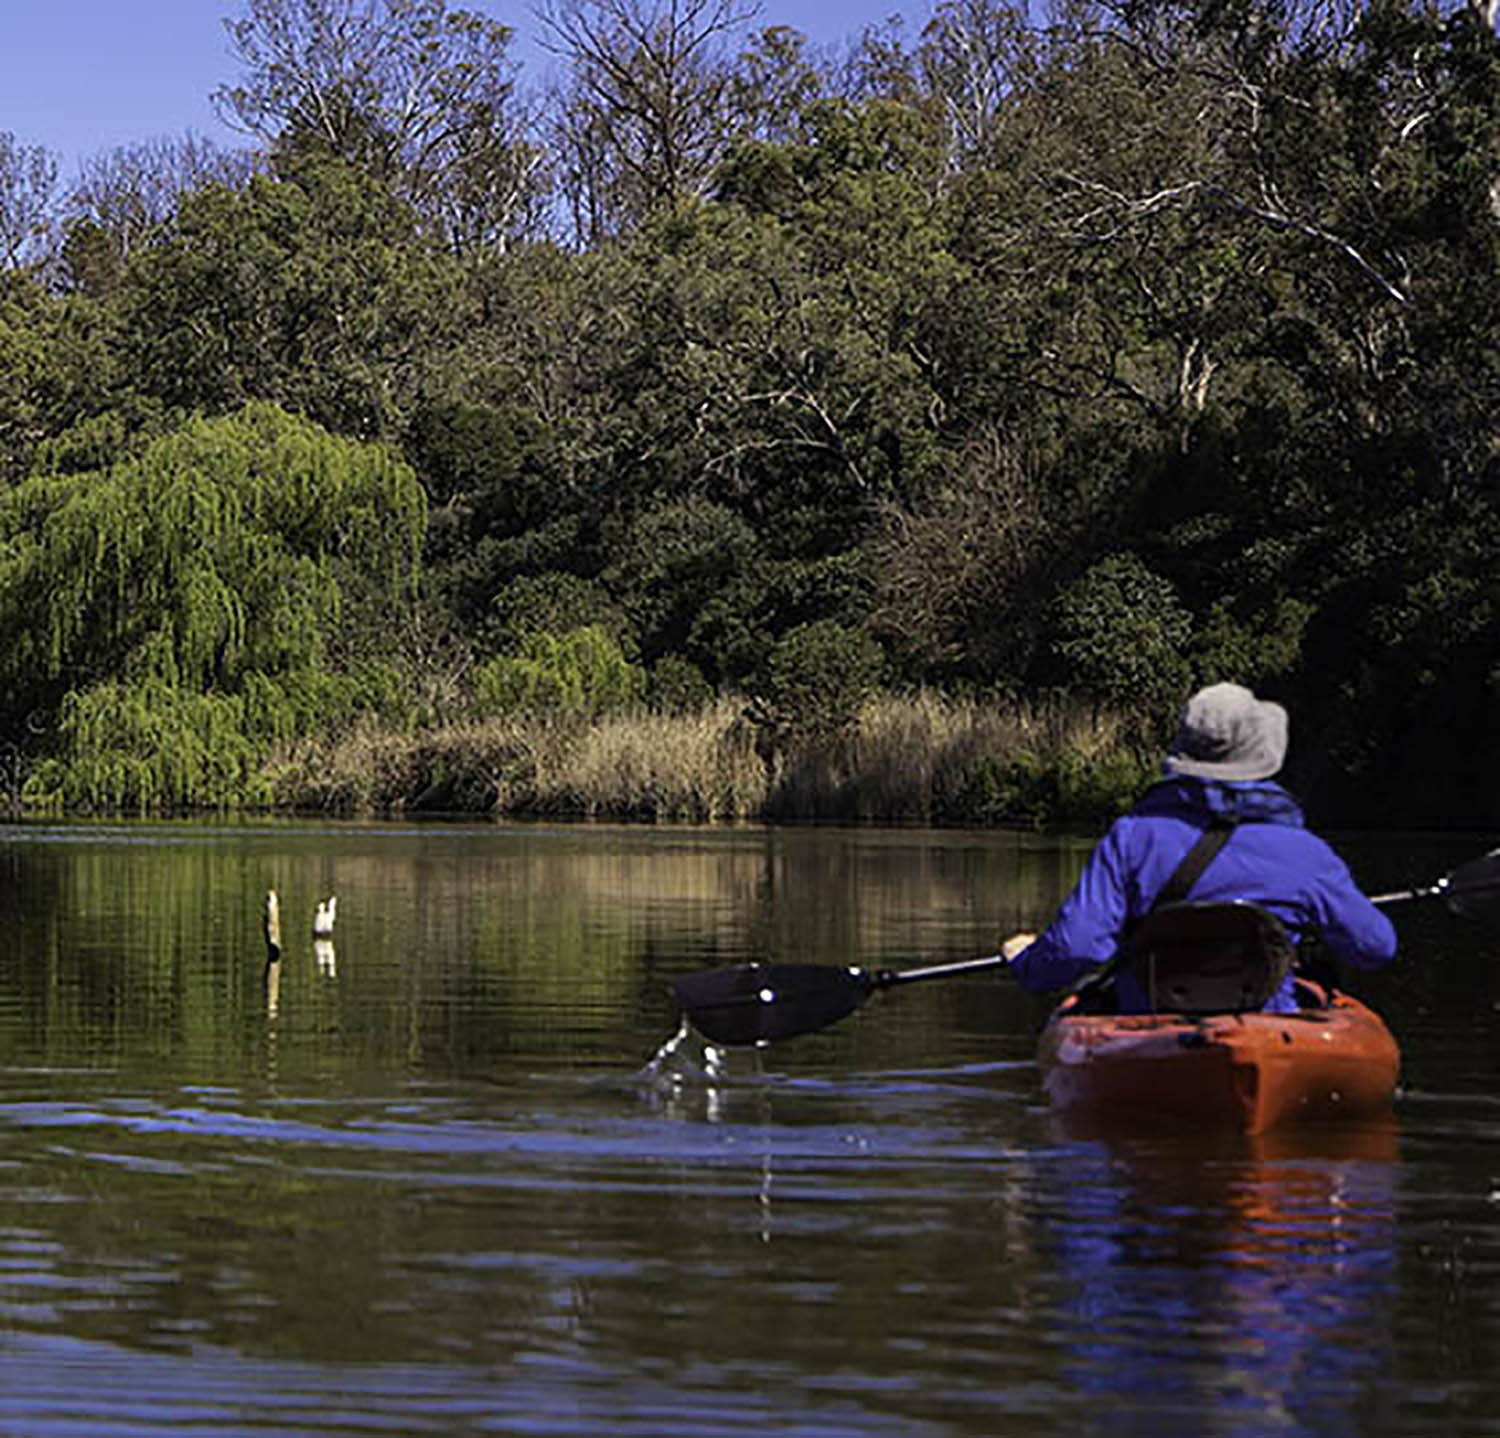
(271, 986)
(468, 1173)
(1255, 1278)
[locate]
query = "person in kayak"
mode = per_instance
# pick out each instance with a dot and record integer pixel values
(1218, 772)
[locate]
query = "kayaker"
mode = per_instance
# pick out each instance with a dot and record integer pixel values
(1219, 772)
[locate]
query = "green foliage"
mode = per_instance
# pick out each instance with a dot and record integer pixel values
(312, 291)
(217, 553)
(56, 363)
(671, 561)
(476, 456)
(583, 673)
(817, 675)
(100, 441)
(934, 336)
(809, 358)
(735, 629)
(1265, 647)
(147, 747)
(675, 686)
(1027, 788)
(197, 589)
(1122, 633)
(554, 603)
(479, 466)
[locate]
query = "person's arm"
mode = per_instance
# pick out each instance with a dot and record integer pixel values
(1086, 930)
(1352, 927)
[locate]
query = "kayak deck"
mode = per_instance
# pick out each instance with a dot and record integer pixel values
(1334, 1058)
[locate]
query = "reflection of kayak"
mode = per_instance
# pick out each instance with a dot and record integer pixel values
(1248, 1071)
(1370, 1138)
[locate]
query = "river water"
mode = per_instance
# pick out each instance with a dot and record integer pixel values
(452, 1174)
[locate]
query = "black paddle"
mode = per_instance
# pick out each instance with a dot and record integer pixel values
(756, 1003)
(1471, 890)
(759, 1003)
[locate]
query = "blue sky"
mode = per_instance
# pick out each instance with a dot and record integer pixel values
(81, 76)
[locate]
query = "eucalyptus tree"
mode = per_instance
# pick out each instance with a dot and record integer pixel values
(1193, 213)
(1252, 250)
(793, 324)
(643, 114)
(777, 83)
(419, 94)
(57, 364)
(313, 290)
(1299, 130)
(975, 57)
(122, 198)
(28, 185)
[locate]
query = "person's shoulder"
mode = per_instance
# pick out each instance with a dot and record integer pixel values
(1135, 831)
(1313, 855)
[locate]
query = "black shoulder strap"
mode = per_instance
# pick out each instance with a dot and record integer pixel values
(1178, 886)
(1194, 862)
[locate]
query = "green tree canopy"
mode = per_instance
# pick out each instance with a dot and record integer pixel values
(313, 291)
(213, 565)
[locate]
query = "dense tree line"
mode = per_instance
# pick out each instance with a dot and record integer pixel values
(1155, 344)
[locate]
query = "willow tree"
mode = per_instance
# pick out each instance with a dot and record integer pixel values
(164, 622)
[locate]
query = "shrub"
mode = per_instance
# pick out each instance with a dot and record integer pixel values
(552, 603)
(1123, 633)
(583, 672)
(677, 686)
(818, 675)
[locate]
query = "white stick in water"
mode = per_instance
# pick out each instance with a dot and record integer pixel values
(323, 919)
(271, 924)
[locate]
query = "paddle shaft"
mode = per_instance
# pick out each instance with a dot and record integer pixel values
(759, 1003)
(1471, 888)
(889, 978)
(1401, 896)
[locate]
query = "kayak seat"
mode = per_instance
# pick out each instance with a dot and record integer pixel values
(1224, 958)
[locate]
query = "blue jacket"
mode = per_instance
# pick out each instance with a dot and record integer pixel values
(1270, 859)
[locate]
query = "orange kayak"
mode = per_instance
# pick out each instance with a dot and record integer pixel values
(1251, 1072)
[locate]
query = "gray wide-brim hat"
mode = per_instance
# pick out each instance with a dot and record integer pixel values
(1225, 732)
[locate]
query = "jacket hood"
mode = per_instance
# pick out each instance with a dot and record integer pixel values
(1199, 801)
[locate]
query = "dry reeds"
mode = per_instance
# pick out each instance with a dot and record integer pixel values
(929, 758)
(922, 758)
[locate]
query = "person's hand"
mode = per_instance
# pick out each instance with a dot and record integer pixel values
(1016, 944)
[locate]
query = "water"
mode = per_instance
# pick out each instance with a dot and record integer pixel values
(465, 1175)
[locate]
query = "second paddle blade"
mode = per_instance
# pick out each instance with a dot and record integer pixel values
(1473, 889)
(759, 1003)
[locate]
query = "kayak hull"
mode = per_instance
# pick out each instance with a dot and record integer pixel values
(1249, 1072)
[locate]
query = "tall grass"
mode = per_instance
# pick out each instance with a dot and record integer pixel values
(932, 759)
(907, 759)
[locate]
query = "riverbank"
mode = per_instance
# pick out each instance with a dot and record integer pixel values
(919, 759)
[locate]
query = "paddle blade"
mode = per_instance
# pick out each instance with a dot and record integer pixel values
(1473, 889)
(758, 1003)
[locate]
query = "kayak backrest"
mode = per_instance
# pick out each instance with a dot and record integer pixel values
(1209, 958)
